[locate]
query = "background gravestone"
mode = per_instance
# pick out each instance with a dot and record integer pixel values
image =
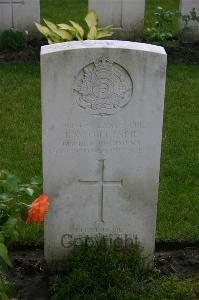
(126, 16)
(192, 34)
(102, 108)
(20, 15)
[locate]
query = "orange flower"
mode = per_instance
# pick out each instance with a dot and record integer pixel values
(38, 209)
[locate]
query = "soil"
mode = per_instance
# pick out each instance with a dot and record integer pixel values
(31, 279)
(177, 53)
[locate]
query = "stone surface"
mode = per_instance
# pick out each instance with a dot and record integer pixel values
(192, 34)
(102, 115)
(20, 15)
(126, 16)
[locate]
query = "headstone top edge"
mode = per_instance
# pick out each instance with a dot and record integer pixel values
(110, 44)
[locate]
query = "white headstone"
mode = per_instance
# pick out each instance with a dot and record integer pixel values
(190, 34)
(126, 16)
(102, 107)
(19, 15)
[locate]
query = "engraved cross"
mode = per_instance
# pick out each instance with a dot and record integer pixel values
(100, 182)
(11, 3)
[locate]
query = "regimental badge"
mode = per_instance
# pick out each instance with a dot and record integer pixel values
(103, 87)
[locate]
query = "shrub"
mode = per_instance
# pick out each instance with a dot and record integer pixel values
(160, 31)
(13, 40)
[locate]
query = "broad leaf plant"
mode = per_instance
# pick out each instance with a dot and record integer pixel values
(57, 33)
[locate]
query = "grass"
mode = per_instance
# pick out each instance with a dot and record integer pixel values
(63, 10)
(20, 140)
(76, 10)
(117, 273)
(178, 208)
(20, 129)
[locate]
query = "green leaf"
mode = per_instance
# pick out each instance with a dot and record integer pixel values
(61, 33)
(79, 30)
(4, 296)
(91, 19)
(2, 238)
(29, 191)
(67, 27)
(102, 34)
(11, 182)
(36, 180)
(50, 25)
(43, 29)
(5, 197)
(64, 34)
(4, 255)
(92, 35)
(104, 28)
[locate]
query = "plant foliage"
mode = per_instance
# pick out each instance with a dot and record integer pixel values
(13, 40)
(13, 206)
(57, 33)
(187, 30)
(159, 31)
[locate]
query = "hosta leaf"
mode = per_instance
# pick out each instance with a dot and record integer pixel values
(49, 41)
(67, 27)
(102, 34)
(79, 30)
(92, 35)
(4, 255)
(43, 29)
(64, 34)
(104, 28)
(91, 19)
(50, 25)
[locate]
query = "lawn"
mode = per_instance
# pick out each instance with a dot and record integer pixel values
(20, 140)
(20, 128)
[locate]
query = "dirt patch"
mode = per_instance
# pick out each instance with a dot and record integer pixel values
(177, 53)
(31, 280)
(29, 275)
(183, 54)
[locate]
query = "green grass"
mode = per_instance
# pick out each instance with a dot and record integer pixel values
(64, 10)
(20, 128)
(178, 208)
(20, 141)
(117, 273)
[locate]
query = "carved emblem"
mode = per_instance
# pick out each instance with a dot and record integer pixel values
(103, 87)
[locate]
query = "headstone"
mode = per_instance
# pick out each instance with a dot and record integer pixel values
(190, 33)
(102, 107)
(126, 16)
(19, 15)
